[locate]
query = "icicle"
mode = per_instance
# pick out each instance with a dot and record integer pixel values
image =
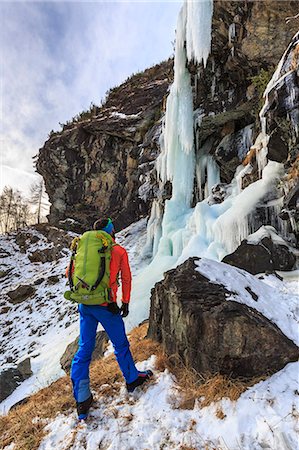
(153, 230)
(199, 26)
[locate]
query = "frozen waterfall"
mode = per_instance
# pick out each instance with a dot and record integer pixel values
(211, 230)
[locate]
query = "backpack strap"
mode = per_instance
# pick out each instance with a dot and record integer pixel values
(73, 247)
(103, 262)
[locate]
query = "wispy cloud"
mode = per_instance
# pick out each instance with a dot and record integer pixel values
(58, 57)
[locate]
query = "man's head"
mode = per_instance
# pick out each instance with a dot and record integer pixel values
(105, 224)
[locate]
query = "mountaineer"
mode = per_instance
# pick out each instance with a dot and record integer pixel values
(96, 262)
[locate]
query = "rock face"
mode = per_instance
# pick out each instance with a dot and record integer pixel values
(191, 317)
(94, 166)
(102, 163)
(262, 256)
(100, 347)
(11, 378)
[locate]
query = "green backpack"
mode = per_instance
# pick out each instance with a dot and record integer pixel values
(89, 279)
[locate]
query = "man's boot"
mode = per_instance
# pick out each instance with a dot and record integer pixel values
(83, 408)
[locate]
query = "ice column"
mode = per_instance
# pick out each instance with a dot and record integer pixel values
(176, 162)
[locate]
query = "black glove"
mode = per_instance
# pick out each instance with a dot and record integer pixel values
(124, 309)
(113, 308)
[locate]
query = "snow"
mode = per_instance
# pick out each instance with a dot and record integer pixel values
(44, 325)
(124, 116)
(265, 232)
(278, 306)
(263, 417)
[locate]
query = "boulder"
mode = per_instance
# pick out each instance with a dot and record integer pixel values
(263, 251)
(12, 377)
(9, 381)
(4, 274)
(24, 367)
(45, 255)
(53, 279)
(99, 350)
(21, 293)
(192, 318)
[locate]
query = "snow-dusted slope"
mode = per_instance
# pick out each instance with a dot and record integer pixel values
(264, 417)
(42, 326)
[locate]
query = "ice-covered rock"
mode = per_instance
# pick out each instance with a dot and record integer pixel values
(261, 252)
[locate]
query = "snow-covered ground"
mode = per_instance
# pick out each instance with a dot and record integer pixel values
(264, 417)
(41, 327)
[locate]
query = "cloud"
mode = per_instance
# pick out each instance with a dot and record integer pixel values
(58, 57)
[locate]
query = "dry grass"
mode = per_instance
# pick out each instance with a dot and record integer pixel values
(18, 427)
(206, 388)
(106, 379)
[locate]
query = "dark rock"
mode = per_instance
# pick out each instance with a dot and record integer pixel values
(45, 255)
(96, 161)
(219, 192)
(191, 317)
(54, 235)
(9, 381)
(231, 151)
(21, 293)
(5, 309)
(261, 257)
(7, 332)
(12, 377)
(4, 253)
(24, 367)
(4, 273)
(39, 281)
(100, 347)
(277, 147)
(53, 279)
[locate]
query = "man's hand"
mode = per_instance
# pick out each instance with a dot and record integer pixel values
(124, 309)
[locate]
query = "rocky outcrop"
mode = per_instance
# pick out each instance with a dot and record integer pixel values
(262, 253)
(193, 319)
(12, 377)
(248, 41)
(94, 166)
(103, 162)
(99, 350)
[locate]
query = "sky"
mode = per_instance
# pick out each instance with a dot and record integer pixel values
(59, 57)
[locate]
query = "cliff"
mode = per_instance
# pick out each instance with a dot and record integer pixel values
(105, 164)
(95, 165)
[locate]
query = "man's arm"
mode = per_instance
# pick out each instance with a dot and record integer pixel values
(126, 277)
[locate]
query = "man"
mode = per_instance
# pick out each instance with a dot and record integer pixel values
(109, 315)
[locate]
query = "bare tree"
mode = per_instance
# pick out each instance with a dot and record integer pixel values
(38, 198)
(14, 210)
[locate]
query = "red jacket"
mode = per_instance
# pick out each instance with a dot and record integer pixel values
(119, 264)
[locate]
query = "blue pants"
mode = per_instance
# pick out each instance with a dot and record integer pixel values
(113, 324)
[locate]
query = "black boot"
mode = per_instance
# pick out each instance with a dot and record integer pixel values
(83, 408)
(142, 378)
